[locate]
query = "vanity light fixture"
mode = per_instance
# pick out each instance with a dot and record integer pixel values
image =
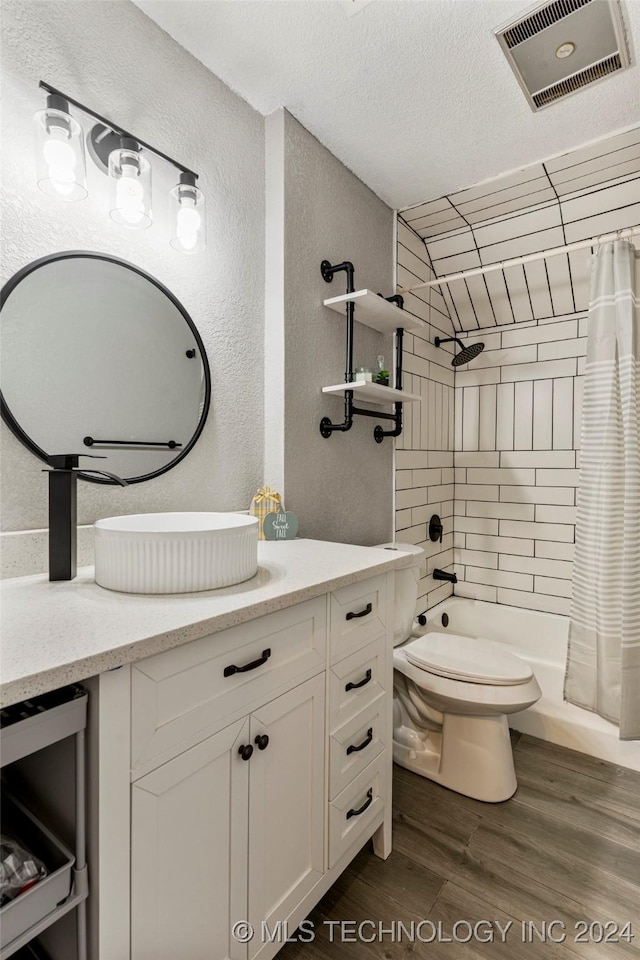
(129, 186)
(60, 160)
(188, 220)
(124, 158)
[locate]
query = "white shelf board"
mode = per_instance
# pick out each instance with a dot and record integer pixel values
(375, 311)
(374, 392)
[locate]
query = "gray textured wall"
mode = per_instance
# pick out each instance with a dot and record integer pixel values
(341, 488)
(117, 61)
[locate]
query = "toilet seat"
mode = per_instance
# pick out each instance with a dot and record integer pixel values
(471, 659)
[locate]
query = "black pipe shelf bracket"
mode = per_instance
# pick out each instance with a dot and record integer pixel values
(380, 313)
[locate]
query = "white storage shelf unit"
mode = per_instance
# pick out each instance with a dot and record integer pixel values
(384, 316)
(374, 311)
(374, 392)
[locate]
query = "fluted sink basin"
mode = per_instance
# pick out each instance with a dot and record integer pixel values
(175, 552)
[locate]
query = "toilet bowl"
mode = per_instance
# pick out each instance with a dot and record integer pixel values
(452, 696)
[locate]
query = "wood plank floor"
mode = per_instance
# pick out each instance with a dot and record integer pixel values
(565, 848)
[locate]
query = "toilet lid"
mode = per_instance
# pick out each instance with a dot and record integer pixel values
(473, 659)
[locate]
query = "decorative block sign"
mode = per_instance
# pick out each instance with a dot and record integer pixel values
(265, 501)
(280, 526)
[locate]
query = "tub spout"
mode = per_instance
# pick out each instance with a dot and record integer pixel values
(443, 575)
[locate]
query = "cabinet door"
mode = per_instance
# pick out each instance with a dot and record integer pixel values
(286, 807)
(189, 852)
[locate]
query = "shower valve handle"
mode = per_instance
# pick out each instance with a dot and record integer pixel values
(435, 528)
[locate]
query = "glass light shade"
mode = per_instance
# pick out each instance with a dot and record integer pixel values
(60, 164)
(130, 187)
(188, 230)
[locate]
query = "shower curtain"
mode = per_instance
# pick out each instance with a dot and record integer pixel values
(603, 663)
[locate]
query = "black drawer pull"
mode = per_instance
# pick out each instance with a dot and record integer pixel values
(361, 683)
(367, 803)
(365, 743)
(245, 751)
(363, 613)
(229, 671)
(262, 741)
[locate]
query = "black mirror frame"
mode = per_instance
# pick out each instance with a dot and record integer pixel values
(13, 424)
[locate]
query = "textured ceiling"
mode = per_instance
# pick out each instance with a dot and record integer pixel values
(415, 97)
(582, 194)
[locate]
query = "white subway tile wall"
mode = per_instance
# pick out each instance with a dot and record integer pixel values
(517, 406)
(515, 503)
(424, 451)
(582, 194)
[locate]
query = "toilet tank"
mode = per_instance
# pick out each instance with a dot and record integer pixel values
(406, 590)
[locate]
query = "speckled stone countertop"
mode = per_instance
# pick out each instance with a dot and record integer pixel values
(57, 633)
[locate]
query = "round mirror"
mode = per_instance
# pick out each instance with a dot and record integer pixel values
(100, 358)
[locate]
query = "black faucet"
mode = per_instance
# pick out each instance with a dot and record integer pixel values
(443, 575)
(63, 512)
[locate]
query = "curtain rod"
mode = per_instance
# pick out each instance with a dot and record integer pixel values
(625, 234)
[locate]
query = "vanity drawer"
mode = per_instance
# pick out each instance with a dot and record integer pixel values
(356, 681)
(358, 616)
(354, 745)
(181, 696)
(357, 808)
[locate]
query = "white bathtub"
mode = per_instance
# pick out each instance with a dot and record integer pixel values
(541, 640)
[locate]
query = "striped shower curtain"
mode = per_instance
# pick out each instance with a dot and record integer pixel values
(603, 664)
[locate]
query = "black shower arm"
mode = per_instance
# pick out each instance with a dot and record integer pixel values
(440, 340)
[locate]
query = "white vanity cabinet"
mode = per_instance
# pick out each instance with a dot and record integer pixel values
(185, 880)
(359, 717)
(259, 764)
(286, 806)
(198, 820)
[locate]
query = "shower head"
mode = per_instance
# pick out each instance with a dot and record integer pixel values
(466, 353)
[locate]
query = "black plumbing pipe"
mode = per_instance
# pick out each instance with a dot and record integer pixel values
(399, 338)
(374, 414)
(326, 426)
(379, 434)
(396, 298)
(328, 270)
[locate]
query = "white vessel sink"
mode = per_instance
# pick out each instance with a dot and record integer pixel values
(175, 552)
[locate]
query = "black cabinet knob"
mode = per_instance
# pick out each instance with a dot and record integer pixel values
(245, 751)
(262, 741)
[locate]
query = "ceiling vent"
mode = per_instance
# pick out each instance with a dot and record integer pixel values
(560, 47)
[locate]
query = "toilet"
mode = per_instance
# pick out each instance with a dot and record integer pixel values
(452, 695)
